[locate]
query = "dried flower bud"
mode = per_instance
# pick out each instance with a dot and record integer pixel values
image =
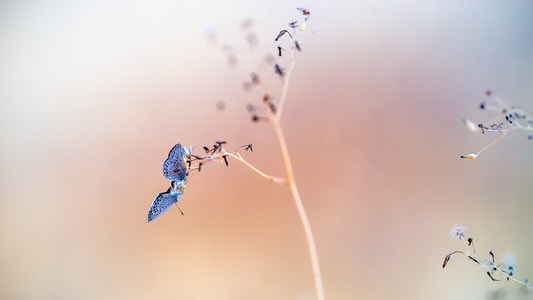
(470, 156)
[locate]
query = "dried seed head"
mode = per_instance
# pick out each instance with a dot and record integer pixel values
(297, 45)
(304, 11)
(255, 78)
(458, 232)
(470, 125)
(278, 70)
(293, 24)
(470, 156)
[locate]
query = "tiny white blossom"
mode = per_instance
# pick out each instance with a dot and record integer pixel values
(458, 232)
(509, 260)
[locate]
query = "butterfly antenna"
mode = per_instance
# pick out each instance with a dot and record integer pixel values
(179, 209)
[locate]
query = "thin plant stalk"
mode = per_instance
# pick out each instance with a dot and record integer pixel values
(218, 158)
(300, 207)
(285, 89)
(274, 118)
(238, 157)
(492, 268)
(512, 119)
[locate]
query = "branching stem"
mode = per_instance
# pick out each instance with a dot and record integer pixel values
(274, 117)
(300, 207)
(238, 157)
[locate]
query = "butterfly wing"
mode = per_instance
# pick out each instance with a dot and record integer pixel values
(162, 203)
(174, 168)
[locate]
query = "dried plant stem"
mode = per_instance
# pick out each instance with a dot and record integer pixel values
(274, 117)
(301, 210)
(291, 182)
(275, 122)
(238, 157)
(502, 135)
(285, 89)
(490, 266)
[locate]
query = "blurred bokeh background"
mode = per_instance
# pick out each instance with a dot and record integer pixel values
(93, 94)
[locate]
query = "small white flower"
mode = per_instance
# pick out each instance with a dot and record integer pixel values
(509, 260)
(458, 232)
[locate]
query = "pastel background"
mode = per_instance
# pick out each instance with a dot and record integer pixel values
(93, 94)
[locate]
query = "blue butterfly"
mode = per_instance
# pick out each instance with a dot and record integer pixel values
(174, 166)
(175, 170)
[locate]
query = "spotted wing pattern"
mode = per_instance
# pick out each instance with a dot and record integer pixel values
(174, 168)
(162, 203)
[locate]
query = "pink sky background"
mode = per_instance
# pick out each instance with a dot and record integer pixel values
(94, 95)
